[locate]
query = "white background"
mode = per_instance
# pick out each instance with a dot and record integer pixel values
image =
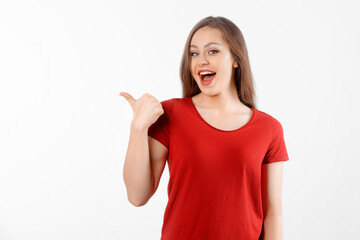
(64, 129)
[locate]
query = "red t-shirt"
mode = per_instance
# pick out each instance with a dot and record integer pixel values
(214, 189)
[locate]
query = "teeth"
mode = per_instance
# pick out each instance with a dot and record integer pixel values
(204, 73)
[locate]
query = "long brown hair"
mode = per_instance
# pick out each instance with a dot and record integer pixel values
(233, 36)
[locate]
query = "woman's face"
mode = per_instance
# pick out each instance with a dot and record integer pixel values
(209, 51)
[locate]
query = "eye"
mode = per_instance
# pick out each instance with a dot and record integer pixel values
(215, 51)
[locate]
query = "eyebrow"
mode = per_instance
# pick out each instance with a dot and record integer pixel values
(208, 44)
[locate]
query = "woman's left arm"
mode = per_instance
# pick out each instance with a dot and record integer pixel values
(271, 188)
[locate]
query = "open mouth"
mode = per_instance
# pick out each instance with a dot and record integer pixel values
(206, 75)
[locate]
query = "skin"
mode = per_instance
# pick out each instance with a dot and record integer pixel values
(219, 105)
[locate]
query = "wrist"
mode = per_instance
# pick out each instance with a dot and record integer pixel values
(137, 126)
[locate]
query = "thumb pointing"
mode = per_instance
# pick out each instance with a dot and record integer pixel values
(128, 97)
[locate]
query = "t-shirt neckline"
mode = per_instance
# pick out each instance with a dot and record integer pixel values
(217, 129)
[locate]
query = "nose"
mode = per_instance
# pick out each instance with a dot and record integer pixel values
(202, 60)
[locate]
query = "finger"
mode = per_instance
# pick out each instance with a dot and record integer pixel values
(128, 97)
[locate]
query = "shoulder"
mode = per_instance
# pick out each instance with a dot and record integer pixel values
(268, 120)
(170, 103)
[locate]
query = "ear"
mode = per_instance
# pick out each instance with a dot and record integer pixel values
(235, 64)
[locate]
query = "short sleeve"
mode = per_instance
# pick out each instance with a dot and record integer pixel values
(277, 149)
(160, 130)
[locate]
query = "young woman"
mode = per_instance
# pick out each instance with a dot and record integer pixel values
(224, 155)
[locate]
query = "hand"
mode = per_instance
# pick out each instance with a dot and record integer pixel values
(146, 110)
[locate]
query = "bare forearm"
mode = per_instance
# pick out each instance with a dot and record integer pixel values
(137, 172)
(273, 227)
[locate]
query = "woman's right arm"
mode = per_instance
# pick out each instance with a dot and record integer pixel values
(146, 157)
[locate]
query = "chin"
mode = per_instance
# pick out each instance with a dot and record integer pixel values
(209, 92)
